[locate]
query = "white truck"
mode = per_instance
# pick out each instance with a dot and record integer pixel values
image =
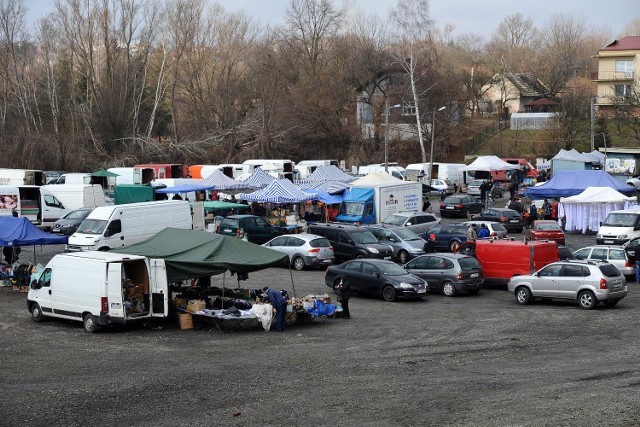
(100, 289)
(452, 172)
(34, 202)
(76, 196)
(109, 227)
(21, 177)
(375, 202)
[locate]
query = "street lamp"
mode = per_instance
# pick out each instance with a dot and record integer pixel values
(386, 134)
(433, 132)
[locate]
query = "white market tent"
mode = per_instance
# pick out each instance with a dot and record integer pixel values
(488, 164)
(585, 211)
(374, 178)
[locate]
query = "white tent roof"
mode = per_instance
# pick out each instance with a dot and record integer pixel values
(489, 163)
(598, 195)
(374, 178)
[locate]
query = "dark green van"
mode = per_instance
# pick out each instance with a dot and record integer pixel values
(257, 229)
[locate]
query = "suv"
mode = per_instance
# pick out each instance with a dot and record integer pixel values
(418, 222)
(405, 243)
(351, 241)
(257, 229)
(586, 281)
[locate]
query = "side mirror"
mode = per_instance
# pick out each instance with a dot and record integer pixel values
(392, 239)
(34, 284)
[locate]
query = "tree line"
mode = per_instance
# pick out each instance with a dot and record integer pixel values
(117, 82)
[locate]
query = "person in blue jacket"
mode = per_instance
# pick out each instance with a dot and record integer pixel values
(484, 232)
(279, 304)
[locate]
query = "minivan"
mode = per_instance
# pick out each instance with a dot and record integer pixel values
(619, 227)
(351, 241)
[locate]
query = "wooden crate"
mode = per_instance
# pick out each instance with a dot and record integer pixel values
(185, 321)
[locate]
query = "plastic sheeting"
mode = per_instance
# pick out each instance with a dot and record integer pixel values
(264, 313)
(588, 216)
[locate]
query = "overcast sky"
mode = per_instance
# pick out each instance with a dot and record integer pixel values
(468, 16)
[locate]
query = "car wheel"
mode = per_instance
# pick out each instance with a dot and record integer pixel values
(587, 300)
(389, 293)
(449, 289)
(453, 246)
(298, 263)
(403, 257)
(611, 302)
(90, 323)
(36, 313)
(523, 295)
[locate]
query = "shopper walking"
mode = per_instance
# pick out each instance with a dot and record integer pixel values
(472, 235)
(546, 209)
(344, 293)
(279, 304)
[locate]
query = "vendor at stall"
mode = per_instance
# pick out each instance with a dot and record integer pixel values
(279, 303)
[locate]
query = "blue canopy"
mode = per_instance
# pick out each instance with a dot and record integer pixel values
(183, 188)
(279, 191)
(572, 182)
(21, 232)
(326, 197)
(358, 194)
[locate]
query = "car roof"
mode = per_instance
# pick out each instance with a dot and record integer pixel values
(338, 226)
(373, 261)
(304, 236)
(407, 213)
(446, 255)
(601, 247)
(479, 221)
(582, 261)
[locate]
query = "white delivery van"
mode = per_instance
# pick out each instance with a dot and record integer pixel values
(619, 227)
(20, 177)
(392, 169)
(100, 289)
(73, 178)
(36, 203)
(76, 196)
(452, 172)
(109, 227)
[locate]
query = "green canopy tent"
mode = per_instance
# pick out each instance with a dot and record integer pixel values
(102, 177)
(189, 253)
(216, 205)
(104, 173)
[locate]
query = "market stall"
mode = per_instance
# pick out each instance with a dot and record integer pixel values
(587, 210)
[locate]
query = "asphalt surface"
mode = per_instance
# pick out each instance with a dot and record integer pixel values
(476, 360)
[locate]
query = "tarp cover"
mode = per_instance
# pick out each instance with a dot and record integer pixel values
(358, 194)
(21, 232)
(216, 205)
(330, 173)
(132, 193)
(598, 195)
(572, 182)
(189, 253)
(258, 179)
(488, 164)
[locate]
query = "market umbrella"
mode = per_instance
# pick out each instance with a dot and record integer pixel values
(104, 173)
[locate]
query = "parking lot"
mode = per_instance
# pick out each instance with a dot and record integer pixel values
(476, 360)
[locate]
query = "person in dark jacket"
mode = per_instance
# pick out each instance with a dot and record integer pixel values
(279, 304)
(637, 257)
(344, 293)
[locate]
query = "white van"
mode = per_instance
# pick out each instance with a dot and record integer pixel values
(277, 168)
(73, 178)
(100, 289)
(76, 196)
(36, 203)
(307, 167)
(392, 169)
(109, 227)
(22, 177)
(619, 227)
(452, 172)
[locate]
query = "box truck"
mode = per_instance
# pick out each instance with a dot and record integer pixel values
(375, 202)
(452, 172)
(76, 196)
(100, 289)
(109, 227)
(36, 203)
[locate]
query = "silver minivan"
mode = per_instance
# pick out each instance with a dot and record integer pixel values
(405, 243)
(615, 255)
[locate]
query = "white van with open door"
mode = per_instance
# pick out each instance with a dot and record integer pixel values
(100, 289)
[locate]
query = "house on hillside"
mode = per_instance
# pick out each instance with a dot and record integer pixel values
(618, 71)
(510, 92)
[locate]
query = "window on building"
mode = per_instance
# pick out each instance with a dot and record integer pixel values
(624, 66)
(622, 90)
(408, 109)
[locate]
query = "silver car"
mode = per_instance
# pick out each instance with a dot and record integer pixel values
(440, 185)
(418, 222)
(496, 229)
(405, 243)
(615, 255)
(587, 282)
(473, 188)
(304, 250)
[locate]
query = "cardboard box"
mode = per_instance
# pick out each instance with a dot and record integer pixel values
(196, 305)
(185, 321)
(24, 289)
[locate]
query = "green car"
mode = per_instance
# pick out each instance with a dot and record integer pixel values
(255, 228)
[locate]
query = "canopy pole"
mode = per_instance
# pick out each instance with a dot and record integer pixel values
(293, 286)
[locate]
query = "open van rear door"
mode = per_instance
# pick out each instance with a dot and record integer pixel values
(159, 288)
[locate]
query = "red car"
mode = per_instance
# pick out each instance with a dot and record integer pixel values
(544, 230)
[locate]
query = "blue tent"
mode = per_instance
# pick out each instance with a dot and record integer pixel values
(326, 197)
(21, 232)
(279, 191)
(572, 182)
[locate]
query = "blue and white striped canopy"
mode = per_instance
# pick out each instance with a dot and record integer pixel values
(331, 187)
(329, 173)
(279, 191)
(219, 181)
(258, 179)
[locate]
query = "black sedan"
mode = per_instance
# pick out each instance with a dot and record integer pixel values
(460, 206)
(69, 223)
(377, 277)
(510, 219)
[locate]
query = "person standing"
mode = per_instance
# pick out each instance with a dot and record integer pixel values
(279, 304)
(533, 213)
(344, 293)
(426, 206)
(513, 187)
(472, 235)
(546, 209)
(483, 191)
(484, 232)
(637, 257)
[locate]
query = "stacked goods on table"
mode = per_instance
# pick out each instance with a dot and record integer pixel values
(134, 297)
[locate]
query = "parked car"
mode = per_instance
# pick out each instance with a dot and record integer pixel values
(473, 188)
(542, 229)
(440, 185)
(448, 273)
(377, 277)
(586, 281)
(496, 229)
(418, 222)
(510, 219)
(447, 237)
(564, 253)
(630, 249)
(405, 243)
(351, 241)
(615, 255)
(257, 229)
(460, 206)
(304, 250)
(69, 223)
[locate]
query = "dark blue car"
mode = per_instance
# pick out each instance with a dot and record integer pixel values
(448, 237)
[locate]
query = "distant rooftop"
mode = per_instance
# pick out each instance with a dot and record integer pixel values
(625, 43)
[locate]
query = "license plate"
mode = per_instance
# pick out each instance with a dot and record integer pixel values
(387, 257)
(227, 230)
(450, 207)
(513, 220)
(608, 242)
(617, 285)
(422, 291)
(473, 275)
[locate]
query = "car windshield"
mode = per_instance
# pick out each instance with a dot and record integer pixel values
(320, 243)
(498, 227)
(510, 214)
(229, 223)
(77, 214)
(549, 226)
(407, 235)
(92, 226)
(391, 269)
(395, 220)
(352, 208)
(364, 237)
(469, 263)
(621, 220)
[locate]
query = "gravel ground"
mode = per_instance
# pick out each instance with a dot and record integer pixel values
(469, 360)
